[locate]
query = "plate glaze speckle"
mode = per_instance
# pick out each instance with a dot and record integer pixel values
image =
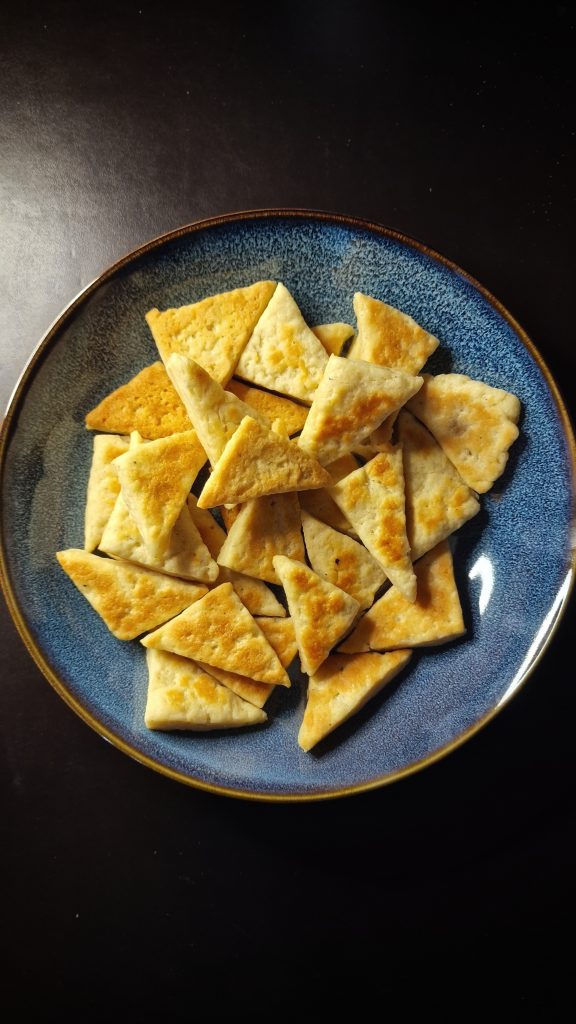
(522, 534)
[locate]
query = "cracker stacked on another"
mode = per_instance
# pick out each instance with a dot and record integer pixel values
(350, 517)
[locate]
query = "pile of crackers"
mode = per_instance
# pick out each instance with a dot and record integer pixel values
(339, 471)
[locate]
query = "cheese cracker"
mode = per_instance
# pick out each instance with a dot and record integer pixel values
(265, 527)
(155, 480)
(148, 403)
(256, 461)
(438, 502)
(215, 414)
(342, 561)
(103, 487)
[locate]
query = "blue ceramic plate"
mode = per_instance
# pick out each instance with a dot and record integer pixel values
(513, 561)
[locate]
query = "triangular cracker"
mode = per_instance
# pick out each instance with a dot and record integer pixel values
(272, 407)
(155, 480)
(256, 461)
(147, 403)
(343, 685)
(280, 636)
(181, 695)
(220, 631)
(129, 599)
(372, 498)
(283, 354)
(388, 337)
(321, 612)
(333, 336)
(257, 597)
(319, 503)
(438, 502)
(352, 399)
(435, 617)
(215, 414)
(265, 527)
(103, 487)
(474, 424)
(213, 331)
(342, 561)
(186, 555)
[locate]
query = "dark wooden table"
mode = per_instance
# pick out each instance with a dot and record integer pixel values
(123, 891)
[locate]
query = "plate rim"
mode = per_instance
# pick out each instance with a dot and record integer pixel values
(51, 336)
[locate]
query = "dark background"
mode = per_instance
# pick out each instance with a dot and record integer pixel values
(124, 891)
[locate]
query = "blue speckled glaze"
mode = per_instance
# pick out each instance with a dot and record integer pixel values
(512, 560)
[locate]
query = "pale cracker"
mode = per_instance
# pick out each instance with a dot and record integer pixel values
(256, 461)
(342, 561)
(283, 354)
(265, 527)
(343, 685)
(319, 503)
(103, 487)
(474, 424)
(372, 499)
(155, 480)
(280, 636)
(257, 597)
(215, 414)
(186, 555)
(438, 502)
(321, 613)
